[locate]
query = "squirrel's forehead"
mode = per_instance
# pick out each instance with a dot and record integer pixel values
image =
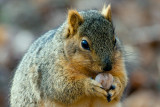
(97, 29)
(94, 22)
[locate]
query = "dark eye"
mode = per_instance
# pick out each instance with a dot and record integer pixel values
(85, 45)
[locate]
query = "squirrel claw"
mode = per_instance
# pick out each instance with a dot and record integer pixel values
(102, 88)
(112, 87)
(109, 97)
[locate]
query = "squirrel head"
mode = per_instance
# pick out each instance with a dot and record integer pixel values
(90, 43)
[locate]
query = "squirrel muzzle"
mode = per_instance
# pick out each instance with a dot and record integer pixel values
(107, 65)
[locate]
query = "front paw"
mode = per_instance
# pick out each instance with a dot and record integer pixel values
(115, 90)
(93, 88)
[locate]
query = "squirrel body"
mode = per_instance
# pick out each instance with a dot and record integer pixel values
(58, 67)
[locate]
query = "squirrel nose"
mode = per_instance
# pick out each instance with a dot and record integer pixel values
(107, 65)
(107, 68)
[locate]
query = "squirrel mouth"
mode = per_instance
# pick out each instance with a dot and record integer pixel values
(95, 73)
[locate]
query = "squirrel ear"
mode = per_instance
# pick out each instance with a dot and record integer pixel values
(74, 21)
(106, 12)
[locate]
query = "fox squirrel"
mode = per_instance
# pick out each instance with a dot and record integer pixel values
(60, 68)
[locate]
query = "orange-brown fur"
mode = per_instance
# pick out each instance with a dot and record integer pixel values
(57, 70)
(74, 20)
(77, 67)
(119, 74)
(90, 101)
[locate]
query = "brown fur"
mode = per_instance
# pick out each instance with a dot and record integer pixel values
(77, 66)
(74, 20)
(59, 68)
(120, 81)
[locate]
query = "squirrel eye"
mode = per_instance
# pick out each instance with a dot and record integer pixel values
(85, 44)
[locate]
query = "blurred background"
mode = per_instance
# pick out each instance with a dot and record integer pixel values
(137, 24)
